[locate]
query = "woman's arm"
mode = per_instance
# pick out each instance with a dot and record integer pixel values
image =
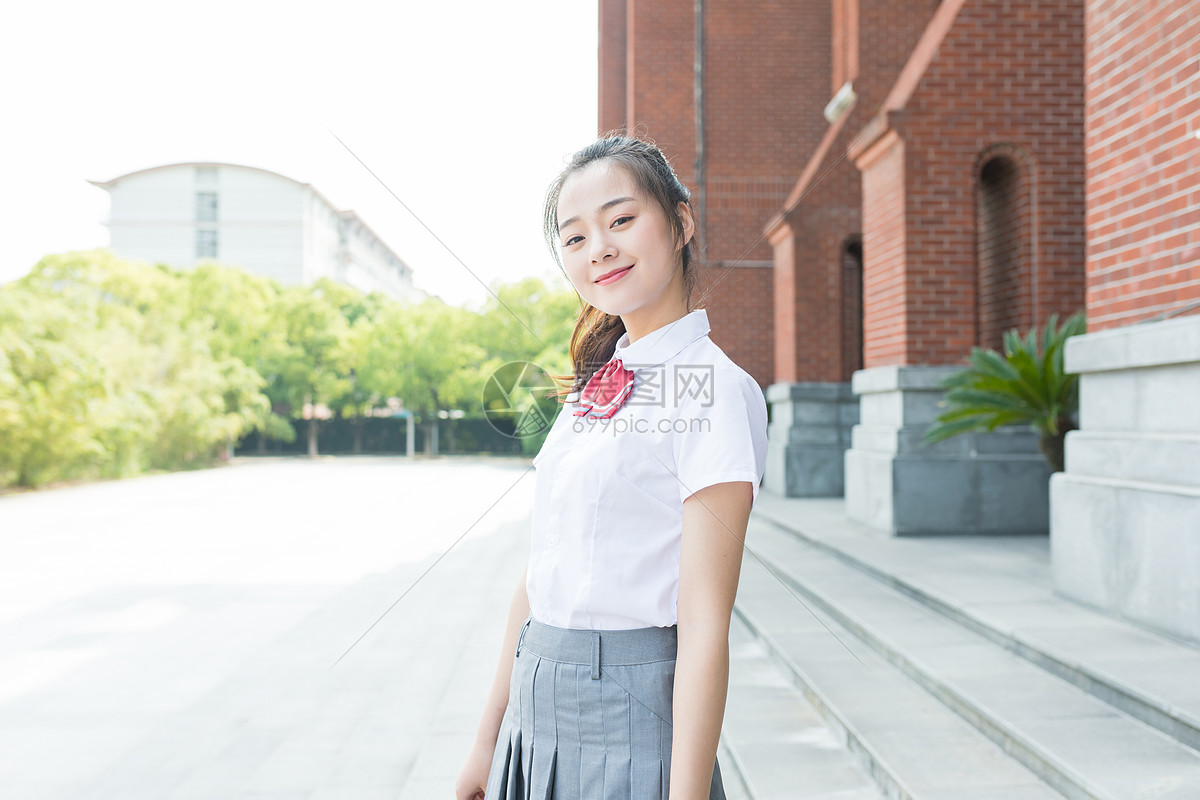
(493, 710)
(472, 779)
(710, 562)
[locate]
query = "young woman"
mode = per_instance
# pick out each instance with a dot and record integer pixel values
(615, 665)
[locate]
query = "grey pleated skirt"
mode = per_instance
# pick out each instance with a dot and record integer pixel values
(588, 717)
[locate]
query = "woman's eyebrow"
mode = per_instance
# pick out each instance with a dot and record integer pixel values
(605, 207)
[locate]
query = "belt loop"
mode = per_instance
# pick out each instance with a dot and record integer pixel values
(595, 655)
(521, 636)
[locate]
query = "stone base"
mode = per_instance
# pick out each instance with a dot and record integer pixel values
(1125, 514)
(808, 438)
(988, 483)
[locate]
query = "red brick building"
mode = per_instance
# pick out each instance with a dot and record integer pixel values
(886, 185)
(972, 173)
(1125, 514)
(738, 139)
(751, 139)
(1143, 156)
(973, 177)
(816, 234)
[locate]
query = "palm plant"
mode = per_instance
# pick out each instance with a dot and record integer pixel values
(1023, 385)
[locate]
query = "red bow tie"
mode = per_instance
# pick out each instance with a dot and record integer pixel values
(605, 391)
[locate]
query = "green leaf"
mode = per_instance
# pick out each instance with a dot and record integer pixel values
(1024, 384)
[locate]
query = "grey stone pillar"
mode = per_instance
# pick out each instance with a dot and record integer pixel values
(989, 482)
(808, 437)
(1125, 514)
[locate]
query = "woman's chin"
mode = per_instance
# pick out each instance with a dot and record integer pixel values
(608, 304)
(610, 309)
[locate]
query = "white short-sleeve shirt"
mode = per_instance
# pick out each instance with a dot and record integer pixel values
(608, 508)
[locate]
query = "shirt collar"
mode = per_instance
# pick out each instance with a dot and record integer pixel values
(661, 344)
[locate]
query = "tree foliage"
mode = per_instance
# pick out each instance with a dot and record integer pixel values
(111, 367)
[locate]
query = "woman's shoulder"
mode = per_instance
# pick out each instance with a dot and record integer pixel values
(706, 355)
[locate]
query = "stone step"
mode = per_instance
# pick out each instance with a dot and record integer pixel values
(774, 744)
(1077, 745)
(731, 774)
(906, 740)
(1002, 590)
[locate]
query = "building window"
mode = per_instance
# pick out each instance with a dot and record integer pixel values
(206, 206)
(206, 244)
(1003, 229)
(852, 307)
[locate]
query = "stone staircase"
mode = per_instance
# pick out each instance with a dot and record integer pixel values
(942, 668)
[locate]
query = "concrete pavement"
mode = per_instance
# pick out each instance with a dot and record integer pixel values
(172, 636)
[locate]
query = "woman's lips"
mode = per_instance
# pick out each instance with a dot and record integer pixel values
(614, 276)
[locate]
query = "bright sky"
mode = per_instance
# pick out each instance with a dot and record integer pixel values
(465, 110)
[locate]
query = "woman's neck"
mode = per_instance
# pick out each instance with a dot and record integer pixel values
(669, 307)
(639, 326)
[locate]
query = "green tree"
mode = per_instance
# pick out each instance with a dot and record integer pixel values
(47, 382)
(110, 367)
(353, 304)
(234, 306)
(106, 344)
(313, 368)
(427, 355)
(360, 312)
(530, 321)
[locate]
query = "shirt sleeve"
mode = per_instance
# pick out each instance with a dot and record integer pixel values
(723, 437)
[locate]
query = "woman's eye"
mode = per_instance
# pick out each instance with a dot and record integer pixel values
(572, 241)
(620, 220)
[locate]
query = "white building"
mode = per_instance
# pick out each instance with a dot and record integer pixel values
(261, 221)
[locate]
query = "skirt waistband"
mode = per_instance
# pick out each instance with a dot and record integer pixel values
(597, 647)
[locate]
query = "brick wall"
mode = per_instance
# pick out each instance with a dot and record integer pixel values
(846, 27)
(767, 70)
(1143, 113)
(886, 289)
(819, 315)
(1007, 73)
(765, 83)
(741, 326)
(767, 67)
(658, 74)
(611, 72)
(784, 244)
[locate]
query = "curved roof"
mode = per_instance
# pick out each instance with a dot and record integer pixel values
(346, 214)
(114, 181)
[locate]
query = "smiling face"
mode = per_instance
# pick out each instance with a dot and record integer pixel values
(618, 247)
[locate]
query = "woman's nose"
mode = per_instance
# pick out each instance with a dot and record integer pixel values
(602, 248)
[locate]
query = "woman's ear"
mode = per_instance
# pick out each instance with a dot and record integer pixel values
(689, 224)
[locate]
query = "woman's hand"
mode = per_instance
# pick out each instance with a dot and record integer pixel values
(473, 778)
